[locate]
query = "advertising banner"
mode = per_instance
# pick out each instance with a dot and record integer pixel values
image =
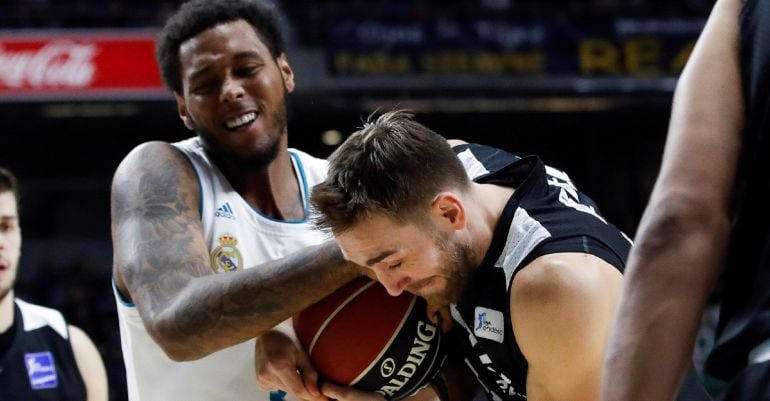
(78, 65)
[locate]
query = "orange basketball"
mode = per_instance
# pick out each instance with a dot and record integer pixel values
(362, 337)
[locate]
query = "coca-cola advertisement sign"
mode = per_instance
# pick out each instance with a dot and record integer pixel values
(79, 65)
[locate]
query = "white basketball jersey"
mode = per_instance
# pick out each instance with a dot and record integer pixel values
(238, 237)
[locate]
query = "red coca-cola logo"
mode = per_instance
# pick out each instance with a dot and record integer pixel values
(70, 65)
(63, 64)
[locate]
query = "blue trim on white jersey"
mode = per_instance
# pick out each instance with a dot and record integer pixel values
(198, 177)
(305, 190)
(119, 296)
(304, 193)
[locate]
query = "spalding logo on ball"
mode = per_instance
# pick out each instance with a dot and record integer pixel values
(362, 337)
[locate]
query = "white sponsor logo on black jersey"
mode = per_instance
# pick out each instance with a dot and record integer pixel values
(488, 323)
(41, 369)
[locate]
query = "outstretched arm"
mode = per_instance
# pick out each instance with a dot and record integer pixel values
(561, 309)
(683, 235)
(162, 263)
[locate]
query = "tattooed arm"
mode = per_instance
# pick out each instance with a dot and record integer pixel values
(162, 263)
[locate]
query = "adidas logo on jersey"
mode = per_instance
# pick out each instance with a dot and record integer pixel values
(225, 211)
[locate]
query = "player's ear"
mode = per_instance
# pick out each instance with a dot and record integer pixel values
(181, 108)
(449, 210)
(286, 72)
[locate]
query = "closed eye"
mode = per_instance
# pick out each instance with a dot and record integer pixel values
(394, 266)
(246, 71)
(203, 88)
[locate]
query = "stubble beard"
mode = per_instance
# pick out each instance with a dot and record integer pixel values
(251, 162)
(456, 270)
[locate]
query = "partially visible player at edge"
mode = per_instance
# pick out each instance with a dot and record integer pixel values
(211, 238)
(708, 214)
(41, 356)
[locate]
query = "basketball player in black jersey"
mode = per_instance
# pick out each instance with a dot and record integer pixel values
(528, 266)
(41, 357)
(708, 213)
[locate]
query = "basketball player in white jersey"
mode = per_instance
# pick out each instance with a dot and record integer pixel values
(212, 242)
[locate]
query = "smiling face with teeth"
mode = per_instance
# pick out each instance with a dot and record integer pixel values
(234, 94)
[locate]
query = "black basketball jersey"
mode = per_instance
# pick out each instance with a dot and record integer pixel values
(39, 365)
(546, 214)
(744, 319)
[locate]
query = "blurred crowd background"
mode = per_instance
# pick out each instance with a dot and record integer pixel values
(586, 84)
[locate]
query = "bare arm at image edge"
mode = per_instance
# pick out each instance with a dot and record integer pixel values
(682, 239)
(162, 263)
(90, 365)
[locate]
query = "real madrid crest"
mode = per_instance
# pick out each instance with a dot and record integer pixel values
(226, 257)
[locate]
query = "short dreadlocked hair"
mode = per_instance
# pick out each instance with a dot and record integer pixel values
(197, 16)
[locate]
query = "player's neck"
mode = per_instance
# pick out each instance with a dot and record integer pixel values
(489, 201)
(274, 190)
(6, 312)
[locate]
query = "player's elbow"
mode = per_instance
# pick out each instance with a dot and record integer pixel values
(178, 354)
(176, 343)
(681, 243)
(678, 217)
